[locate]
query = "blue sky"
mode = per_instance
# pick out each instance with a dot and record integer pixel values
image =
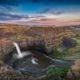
(28, 10)
(29, 6)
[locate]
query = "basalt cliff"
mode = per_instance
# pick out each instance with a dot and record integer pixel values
(50, 36)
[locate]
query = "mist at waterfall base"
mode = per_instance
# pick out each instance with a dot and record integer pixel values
(27, 61)
(19, 53)
(32, 61)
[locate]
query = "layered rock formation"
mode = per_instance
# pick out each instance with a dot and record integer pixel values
(28, 35)
(74, 71)
(49, 36)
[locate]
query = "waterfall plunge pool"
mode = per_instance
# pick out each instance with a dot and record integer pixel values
(33, 61)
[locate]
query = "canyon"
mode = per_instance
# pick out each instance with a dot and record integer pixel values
(50, 36)
(41, 38)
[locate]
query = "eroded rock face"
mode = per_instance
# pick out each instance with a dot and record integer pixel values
(6, 45)
(8, 73)
(68, 42)
(74, 72)
(76, 67)
(5, 48)
(26, 34)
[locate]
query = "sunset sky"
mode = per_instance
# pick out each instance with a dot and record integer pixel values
(40, 12)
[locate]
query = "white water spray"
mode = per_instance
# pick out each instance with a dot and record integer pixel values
(20, 54)
(34, 61)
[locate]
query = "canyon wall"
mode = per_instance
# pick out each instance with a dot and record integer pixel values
(28, 35)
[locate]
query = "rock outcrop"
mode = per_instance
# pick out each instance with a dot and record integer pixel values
(68, 42)
(8, 73)
(26, 36)
(74, 71)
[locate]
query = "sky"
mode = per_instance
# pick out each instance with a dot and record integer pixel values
(40, 12)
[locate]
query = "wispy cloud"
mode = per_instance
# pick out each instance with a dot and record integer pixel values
(45, 10)
(9, 16)
(52, 11)
(17, 11)
(43, 20)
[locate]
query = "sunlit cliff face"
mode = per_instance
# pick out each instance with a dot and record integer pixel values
(40, 12)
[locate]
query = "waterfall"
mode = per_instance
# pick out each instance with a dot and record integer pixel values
(20, 54)
(18, 50)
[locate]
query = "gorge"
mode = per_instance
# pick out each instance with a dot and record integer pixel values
(34, 49)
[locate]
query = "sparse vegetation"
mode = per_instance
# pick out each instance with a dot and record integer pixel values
(77, 36)
(59, 55)
(58, 72)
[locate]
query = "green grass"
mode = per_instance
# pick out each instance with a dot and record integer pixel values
(77, 36)
(59, 55)
(58, 70)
